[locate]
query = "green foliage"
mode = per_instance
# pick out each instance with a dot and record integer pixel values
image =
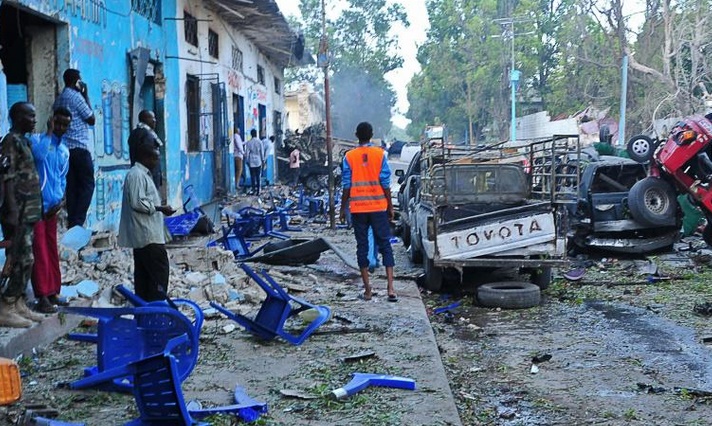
(360, 46)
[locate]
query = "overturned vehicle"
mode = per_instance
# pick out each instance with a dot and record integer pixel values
(602, 218)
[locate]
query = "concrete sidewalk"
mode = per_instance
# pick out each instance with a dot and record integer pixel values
(21, 341)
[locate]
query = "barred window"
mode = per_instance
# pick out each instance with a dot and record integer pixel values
(149, 9)
(236, 59)
(213, 48)
(277, 86)
(190, 28)
(260, 75)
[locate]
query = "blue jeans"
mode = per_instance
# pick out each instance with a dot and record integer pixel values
(378, 221)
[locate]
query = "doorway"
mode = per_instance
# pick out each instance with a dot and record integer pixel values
(27, 41)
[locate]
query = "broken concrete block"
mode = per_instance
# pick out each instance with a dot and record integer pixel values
(76, 238)
(197, 295)
(196, 278)
(229, 328)
(87, 288)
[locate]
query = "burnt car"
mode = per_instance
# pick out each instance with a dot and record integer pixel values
(601, 219)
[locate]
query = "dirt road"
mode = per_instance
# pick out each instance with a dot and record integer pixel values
(613, 349)
(629, 352)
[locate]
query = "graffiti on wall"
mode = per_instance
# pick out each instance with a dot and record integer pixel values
(115, 108)
(109, 191)
(234, 80)
(255, 96)
(93, 11)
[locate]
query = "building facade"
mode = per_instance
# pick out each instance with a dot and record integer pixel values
(205, 67)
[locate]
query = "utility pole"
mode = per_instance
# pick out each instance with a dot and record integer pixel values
(323, 62)
(514, 74)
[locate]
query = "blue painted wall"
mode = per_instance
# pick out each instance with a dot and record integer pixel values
(95, 36)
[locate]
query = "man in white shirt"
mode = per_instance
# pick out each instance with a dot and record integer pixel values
(238, 153)
(255, 159)
(142, 226)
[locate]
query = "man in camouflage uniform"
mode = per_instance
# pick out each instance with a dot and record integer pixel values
(21, 209)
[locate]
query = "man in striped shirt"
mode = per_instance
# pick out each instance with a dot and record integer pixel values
(80, 177)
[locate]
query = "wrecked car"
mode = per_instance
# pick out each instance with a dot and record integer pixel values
(491, 209)
(681, 164)
(602, 220)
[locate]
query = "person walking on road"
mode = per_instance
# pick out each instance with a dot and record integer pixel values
(366, 181)
(238, 154)
(255, 158)
(295, 165)
(80, 177)
(21, 209)
(142, 226)
(52, 162)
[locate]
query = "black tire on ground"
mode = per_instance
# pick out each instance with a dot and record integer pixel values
(313, 183)
(509, 295)
(306, 259)
(433, 275)
(640, 148)
(707, 234)
(652, 202)
(541, 277)
(405, 234)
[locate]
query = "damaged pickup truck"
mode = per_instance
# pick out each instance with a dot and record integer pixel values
(493, 208)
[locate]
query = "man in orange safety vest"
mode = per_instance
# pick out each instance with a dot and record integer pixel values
(366, 180)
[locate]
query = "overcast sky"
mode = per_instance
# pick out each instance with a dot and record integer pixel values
(409, 40)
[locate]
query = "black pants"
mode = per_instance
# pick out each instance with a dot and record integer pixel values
(80, 186)
(256, 179)
(151, 272)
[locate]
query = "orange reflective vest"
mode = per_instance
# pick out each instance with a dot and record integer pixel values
(367, 194)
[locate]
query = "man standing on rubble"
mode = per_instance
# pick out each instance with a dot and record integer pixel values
(52, 161)
(80, 177)
(145, 133)
(366, 181)
(142, 227)
(238, 154)
(21, 209)
(255, 159)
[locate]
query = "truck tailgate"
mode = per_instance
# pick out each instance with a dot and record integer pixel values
(496, 236)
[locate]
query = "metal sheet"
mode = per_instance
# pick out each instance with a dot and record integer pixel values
(498, 236)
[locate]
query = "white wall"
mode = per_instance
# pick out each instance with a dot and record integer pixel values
(241, 83)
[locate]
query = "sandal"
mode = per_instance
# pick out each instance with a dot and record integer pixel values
(45, 306)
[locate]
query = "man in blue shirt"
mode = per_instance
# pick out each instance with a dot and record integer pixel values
(80, 177)
(52, 161)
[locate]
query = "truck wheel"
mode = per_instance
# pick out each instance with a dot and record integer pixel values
(414, 254)
(313, 183)
(433, 276)
(541, 277)
(707, 234)
(405, 233)
(509, 295)
(652, 202)
(640, 148)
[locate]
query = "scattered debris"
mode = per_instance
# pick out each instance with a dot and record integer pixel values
(297, 394)
(644, 387)
(360, 356)
(704, 309)
(539, 358)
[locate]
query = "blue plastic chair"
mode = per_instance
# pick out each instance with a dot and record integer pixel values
(277, 308)
(125, 335)
(158, 394)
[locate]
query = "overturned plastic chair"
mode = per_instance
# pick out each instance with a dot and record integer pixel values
(158, 394)
(125, 335)
(277, 308)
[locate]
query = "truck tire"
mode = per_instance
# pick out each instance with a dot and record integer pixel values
(414, 253)
(405, 234)
(313, 183)
(640, 148)
(433, 275)
(707, 234)
(509, 295)
(541, 277)
(652, 202)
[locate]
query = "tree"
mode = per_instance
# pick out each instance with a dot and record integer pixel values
(361, 46)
